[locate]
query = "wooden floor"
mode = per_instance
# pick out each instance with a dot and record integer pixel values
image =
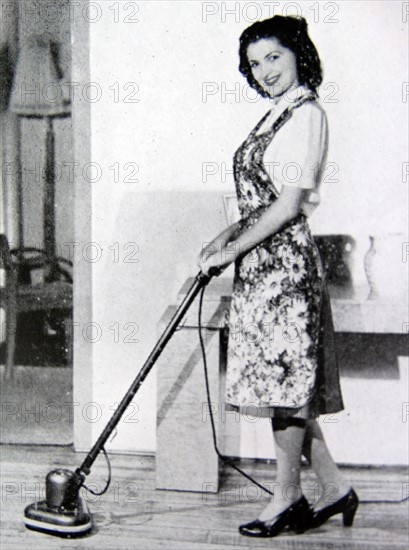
(133, 515)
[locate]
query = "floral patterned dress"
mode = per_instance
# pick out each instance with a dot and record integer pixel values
(279, 314)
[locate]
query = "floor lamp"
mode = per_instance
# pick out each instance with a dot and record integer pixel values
(38, 93)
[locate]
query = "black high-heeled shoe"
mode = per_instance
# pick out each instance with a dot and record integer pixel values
(347, 506)
(296, 517)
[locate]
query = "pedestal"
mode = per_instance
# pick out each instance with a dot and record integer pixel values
(185, 456)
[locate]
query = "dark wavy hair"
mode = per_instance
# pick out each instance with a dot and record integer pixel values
(292, 33)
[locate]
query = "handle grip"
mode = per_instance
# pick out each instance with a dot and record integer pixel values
(215, 271)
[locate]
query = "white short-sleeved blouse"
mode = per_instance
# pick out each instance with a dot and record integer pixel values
(297, 153)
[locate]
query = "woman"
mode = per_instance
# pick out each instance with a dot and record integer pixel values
(280, 361)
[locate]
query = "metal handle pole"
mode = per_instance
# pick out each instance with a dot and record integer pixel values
(201, 280)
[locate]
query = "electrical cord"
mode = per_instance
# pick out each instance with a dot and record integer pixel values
(105, 489)
(225, 459)
(228, 461)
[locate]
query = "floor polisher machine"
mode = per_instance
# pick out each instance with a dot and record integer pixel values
(64, 512)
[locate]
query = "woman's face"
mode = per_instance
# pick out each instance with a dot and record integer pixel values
(273, 66)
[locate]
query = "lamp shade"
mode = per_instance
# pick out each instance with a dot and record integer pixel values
(37, 88)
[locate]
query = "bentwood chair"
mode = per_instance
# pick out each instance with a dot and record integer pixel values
(50, 291)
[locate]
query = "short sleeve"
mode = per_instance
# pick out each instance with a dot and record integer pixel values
(297, 152)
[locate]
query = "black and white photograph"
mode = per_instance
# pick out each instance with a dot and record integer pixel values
(204, 274)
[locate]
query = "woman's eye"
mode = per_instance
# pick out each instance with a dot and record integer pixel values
(273, 57)
(253, 64)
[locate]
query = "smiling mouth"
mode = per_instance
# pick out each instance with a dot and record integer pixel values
(271, 81)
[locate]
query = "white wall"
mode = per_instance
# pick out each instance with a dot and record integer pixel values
(172, 53)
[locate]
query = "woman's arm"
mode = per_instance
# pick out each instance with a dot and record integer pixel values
(284, 209)
(218, 243)
(303, 141)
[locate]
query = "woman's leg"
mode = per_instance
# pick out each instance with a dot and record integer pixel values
(333, 484)
(289, 434)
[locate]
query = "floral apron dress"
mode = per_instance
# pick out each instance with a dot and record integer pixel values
(280, 343)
